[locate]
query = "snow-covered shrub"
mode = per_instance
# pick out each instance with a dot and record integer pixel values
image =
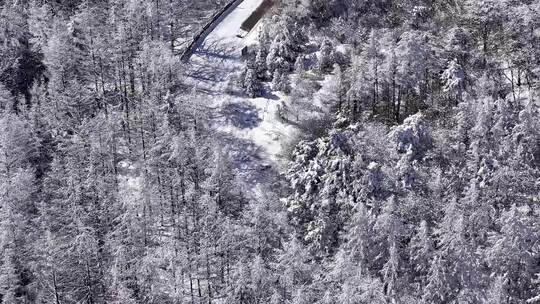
(412, 137)
(453, 78)
(280, 81)
(252, 84)
(326, 56)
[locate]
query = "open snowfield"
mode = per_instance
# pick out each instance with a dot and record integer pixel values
(249, 128)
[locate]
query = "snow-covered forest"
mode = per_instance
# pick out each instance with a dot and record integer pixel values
(332, 151)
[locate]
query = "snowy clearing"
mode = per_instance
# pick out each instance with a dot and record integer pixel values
(249, 127)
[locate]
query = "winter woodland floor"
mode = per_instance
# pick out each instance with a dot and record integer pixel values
(249, 129)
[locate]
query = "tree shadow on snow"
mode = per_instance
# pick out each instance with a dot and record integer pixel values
(267, 93)
(241, 115)
(217, 49)
(246, 157)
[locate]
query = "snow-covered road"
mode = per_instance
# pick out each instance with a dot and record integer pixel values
(226, 31)
(249, 128)
(223, 39)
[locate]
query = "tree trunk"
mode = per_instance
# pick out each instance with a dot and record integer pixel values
(398, 105)
(55, 286)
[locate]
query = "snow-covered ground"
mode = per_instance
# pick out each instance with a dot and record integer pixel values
(226, 31)
(249, 128)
